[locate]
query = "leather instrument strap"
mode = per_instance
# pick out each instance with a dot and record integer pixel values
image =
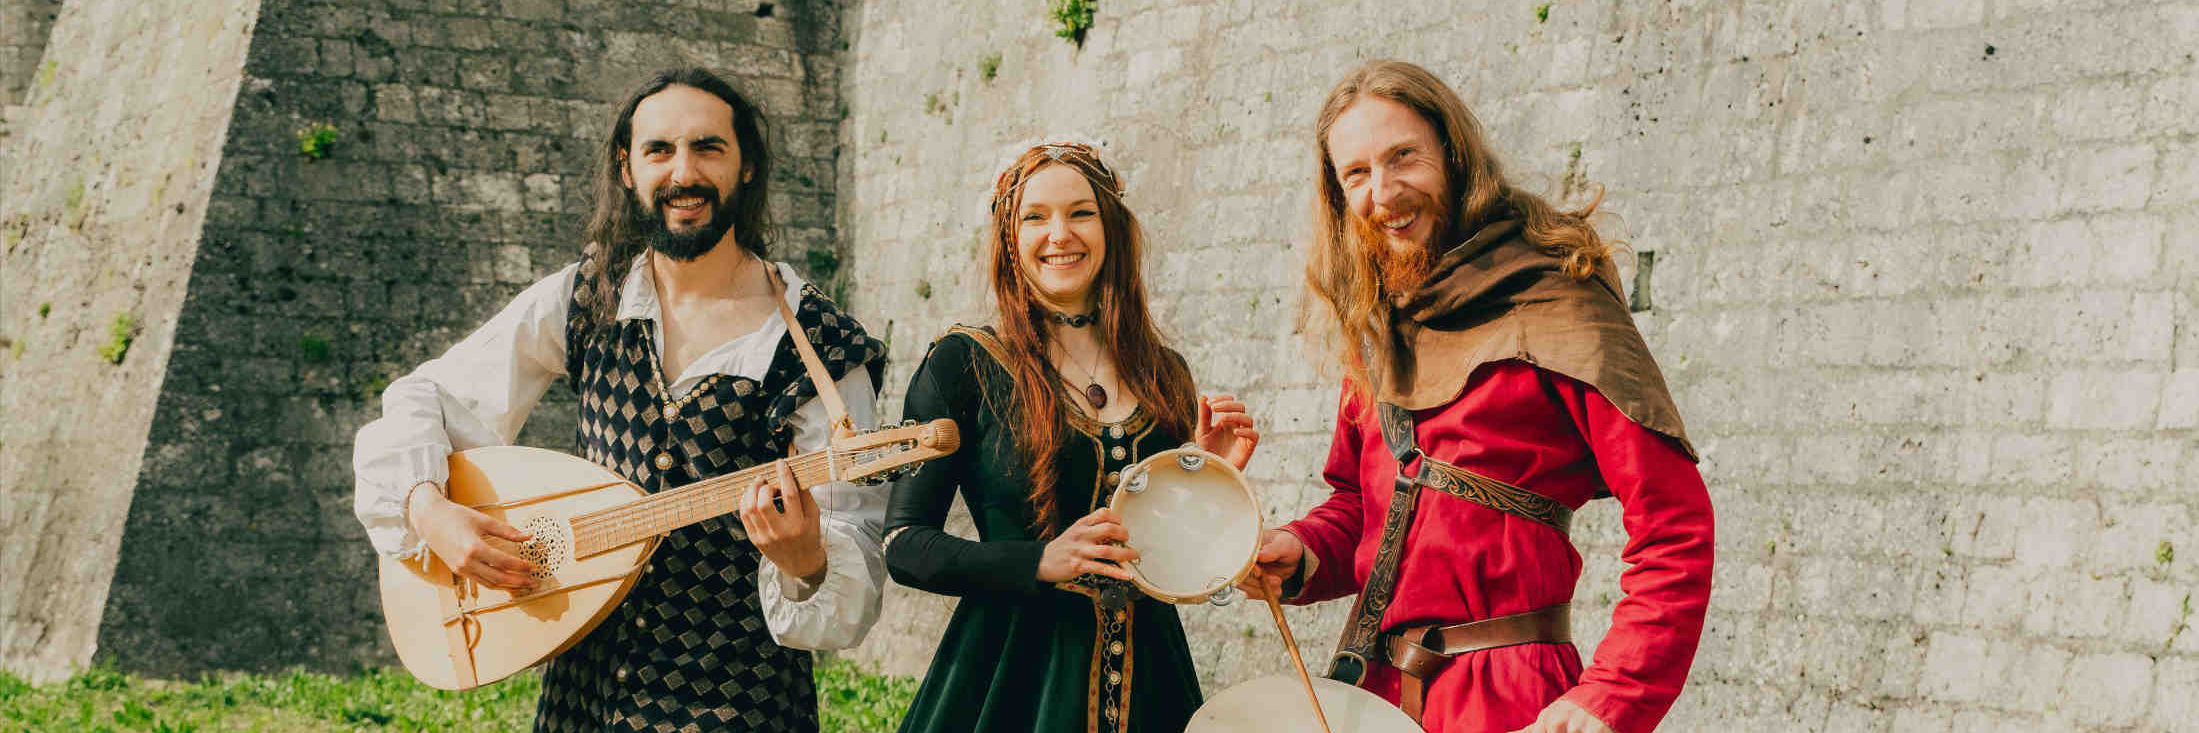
(826, 389)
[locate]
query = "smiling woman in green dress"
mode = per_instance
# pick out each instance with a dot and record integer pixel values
(1071, 387)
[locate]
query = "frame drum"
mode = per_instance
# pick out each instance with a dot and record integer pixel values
(1194, 522)
(1277, 704)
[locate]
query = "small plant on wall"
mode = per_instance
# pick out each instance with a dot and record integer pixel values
(317, 139)
(1073, 18)
(120, 334)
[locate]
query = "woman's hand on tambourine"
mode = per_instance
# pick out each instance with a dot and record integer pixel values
(1277, 559)
(1565, 717)
(465, 540)
(1225, 430)
(1087, 547)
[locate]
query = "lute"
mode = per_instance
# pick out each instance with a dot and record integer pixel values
(593, 533)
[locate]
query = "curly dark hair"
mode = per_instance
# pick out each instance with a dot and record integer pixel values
(615, 236)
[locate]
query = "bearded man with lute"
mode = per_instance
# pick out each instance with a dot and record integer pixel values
(673, 331)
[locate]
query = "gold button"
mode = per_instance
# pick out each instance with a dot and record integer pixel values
(664, 461)
(641, 623)
(1115, 430)
(1117, 453)
(1114, 477)
(622, 674)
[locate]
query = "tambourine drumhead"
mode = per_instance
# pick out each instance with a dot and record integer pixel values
(1277, 704)
(1196, 530)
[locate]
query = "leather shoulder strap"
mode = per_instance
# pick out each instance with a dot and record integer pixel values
(1362, 629)
(826, 389)
(1397, 433)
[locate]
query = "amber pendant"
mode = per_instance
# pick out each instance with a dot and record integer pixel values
(1095, 395)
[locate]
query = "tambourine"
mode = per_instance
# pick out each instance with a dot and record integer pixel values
(1277, 704)
(1194, 522)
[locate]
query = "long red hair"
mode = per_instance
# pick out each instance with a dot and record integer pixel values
(1347, 282)
(1143, 364)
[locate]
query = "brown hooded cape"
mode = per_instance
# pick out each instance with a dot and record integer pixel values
(1497, 297)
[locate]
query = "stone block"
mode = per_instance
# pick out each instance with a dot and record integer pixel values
(2131, 466)
(2097, 400)
(2180, 401)
(2074, 606)
(2154, 614)
(2129, 545)
(1997, 596)
(2054, 531)
(2108, 689)
(2039, 671)
(2107, 179)
(2150, 334)
(1951, 671)
(1923, 720)
(2033, 459)
(2174, 708)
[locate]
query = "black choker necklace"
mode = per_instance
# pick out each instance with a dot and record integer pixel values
(1072, 320)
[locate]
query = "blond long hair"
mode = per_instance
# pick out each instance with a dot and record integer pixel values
(1346, 284)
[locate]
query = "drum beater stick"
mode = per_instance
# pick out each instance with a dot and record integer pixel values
(1291, 643)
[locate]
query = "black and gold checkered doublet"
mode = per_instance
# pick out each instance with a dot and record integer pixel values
(688, 650)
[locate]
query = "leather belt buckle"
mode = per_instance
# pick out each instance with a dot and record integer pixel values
(1348, 668)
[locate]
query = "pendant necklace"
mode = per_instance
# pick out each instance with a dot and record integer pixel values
(1093, 393)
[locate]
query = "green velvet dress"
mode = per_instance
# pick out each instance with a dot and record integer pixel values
(1020, 655)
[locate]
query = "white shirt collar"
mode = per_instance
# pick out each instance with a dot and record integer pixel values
(747, 356)
(637, 297)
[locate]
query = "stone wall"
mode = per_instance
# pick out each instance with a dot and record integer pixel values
(102, 238)
(464, 132)
(1924, 285)
(27, 24)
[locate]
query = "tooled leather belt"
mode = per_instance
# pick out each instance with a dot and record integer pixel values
(1412, 652)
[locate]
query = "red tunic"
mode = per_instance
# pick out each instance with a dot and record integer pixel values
(1560, 438)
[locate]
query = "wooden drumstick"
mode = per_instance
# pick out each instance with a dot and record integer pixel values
(1289, 642)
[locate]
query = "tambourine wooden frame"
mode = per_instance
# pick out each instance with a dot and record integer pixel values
(1252, 546)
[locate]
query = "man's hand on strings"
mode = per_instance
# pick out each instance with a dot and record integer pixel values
(784, 523)
(462, 539)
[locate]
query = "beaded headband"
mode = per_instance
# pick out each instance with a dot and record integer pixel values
(1061, 149)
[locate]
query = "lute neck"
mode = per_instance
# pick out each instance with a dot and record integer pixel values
(664, 511)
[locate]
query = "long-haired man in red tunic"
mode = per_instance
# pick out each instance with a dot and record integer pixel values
(1494, 383)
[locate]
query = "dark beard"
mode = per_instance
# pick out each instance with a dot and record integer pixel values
(691, 244)
(1400, 270)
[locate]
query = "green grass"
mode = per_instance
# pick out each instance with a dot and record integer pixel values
(101, 700)
(850, 700)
